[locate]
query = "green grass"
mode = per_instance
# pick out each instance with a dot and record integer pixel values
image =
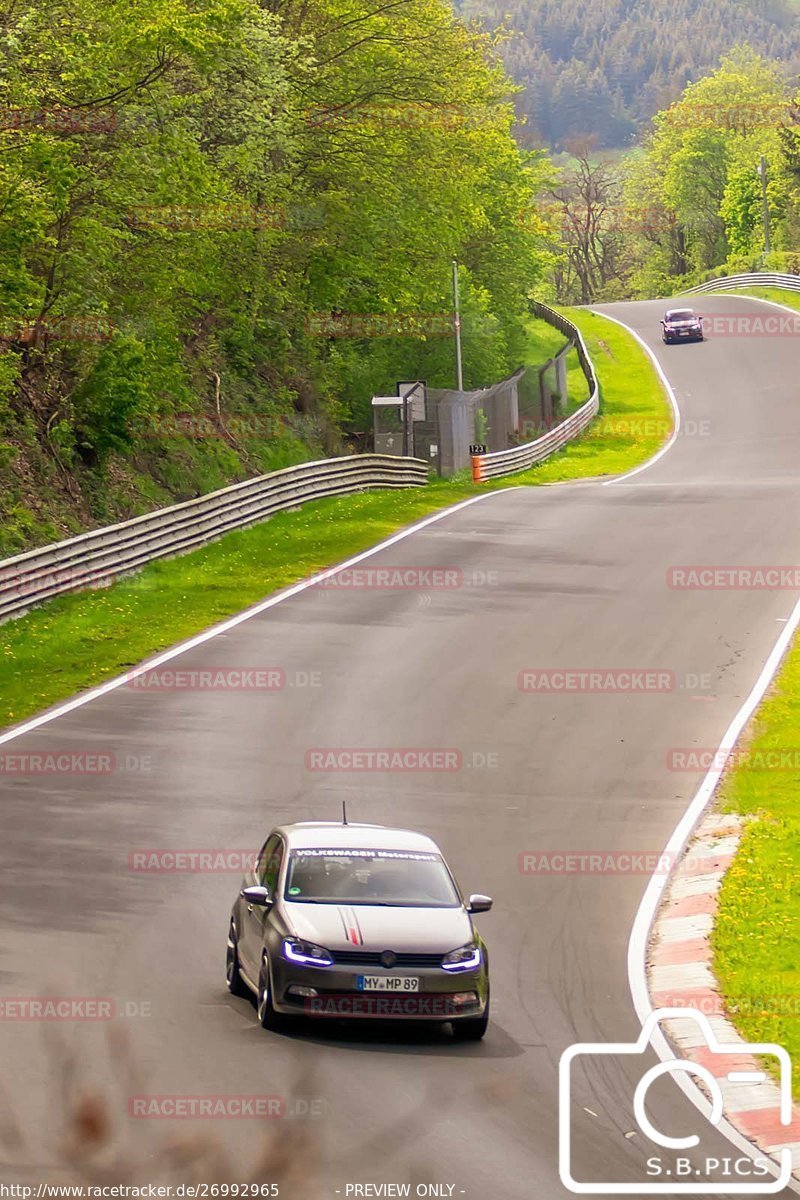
(635, 418)
(80, 640)
(756, 941)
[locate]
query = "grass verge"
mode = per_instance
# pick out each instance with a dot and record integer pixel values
(78, 641)
(756, 941)
(635, 416)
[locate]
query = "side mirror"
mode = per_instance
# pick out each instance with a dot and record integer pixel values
(258, 896)
(479, 904)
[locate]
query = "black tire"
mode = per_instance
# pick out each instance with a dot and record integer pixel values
(471, 1029)
(233, 978)
(268, 1018)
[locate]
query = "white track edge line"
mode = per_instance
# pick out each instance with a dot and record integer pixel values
(207, 635)
(651, 900)
(758, 299)
(667, 386)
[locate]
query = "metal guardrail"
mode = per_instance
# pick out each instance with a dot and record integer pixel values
(728, 283)
(97, 558)
(507, 462)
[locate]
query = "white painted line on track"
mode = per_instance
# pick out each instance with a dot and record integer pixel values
(651, 901)
(758, 299)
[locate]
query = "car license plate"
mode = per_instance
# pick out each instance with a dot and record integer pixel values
(388, 983)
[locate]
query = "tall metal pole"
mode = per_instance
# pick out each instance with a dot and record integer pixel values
(459, 375)
(762, 170)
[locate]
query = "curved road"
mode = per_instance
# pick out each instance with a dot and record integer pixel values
(572, 576)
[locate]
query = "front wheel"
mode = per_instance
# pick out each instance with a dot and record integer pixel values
(472, 1029)
(268, 1018)
(233, 978)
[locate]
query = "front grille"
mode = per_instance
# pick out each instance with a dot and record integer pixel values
(368, 958)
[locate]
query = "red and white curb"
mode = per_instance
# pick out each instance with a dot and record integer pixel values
(680, 975)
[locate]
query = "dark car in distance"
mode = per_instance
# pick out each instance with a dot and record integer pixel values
(681, 325)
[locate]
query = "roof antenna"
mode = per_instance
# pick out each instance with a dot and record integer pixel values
(344, 812)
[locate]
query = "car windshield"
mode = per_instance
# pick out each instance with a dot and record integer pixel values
(404, 878)
(681, 314)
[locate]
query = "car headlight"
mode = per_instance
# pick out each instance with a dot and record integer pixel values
(466, 958)
(295, 950)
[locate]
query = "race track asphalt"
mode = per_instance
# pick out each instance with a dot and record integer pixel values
(573, 576)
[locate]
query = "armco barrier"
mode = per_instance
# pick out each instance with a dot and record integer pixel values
(96, 558)
(506, 462)
(729, 283)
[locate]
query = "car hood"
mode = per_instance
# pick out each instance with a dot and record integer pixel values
(373, 927)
